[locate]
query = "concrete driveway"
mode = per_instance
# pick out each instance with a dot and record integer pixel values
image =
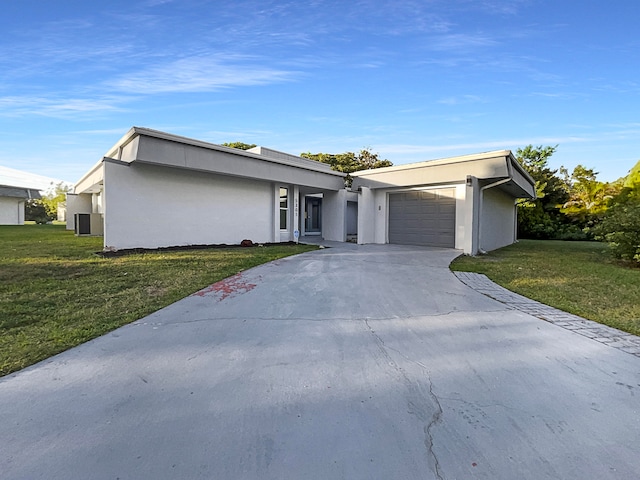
(357, 362)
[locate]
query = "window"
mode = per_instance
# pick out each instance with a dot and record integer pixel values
(284, 207)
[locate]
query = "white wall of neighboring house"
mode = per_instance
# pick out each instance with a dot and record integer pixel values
(148, 206)
(11, 211)
(498, 220)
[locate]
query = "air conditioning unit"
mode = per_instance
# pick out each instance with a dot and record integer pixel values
(88, 224)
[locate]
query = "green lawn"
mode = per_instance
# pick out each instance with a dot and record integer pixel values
(56, 293)
(577, 277)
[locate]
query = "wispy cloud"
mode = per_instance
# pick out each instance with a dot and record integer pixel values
(461, 42)
(13, 106)
(472, 147)
(106, 131)
(265, 138)
(503, 7)
(201, 74)
(462, 100)
(155, 3)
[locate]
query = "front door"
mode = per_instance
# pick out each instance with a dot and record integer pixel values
(313, 215)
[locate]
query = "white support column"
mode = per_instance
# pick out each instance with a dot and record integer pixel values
(334, 216)
(296, 213)
(276, 213)
(472, 217)
(366, 216)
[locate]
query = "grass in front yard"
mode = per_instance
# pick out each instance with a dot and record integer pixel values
(55, 293)
(577, 277)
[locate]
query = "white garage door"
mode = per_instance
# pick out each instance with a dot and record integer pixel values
(425, 217)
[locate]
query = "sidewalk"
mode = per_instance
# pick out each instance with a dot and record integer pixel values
(601, 333)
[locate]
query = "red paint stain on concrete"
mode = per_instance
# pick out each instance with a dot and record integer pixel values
(228, 287)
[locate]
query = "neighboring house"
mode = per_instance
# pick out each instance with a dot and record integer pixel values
(154, 189)
(12, 200)
(17, 186)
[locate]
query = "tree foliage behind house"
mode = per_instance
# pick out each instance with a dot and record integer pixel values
(46, 209)
(35, 211)
(350, 162)
(239, 145)
(588, 197)
(541, 218)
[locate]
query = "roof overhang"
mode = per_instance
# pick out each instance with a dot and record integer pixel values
(152, 147)
(488, 167)
(19, 192)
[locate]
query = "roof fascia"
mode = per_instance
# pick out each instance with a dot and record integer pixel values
(300, 162)
(434, 163)
(89, 173)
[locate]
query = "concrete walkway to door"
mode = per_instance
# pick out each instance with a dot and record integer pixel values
(354, 362)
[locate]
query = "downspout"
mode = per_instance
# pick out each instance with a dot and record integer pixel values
(481, 199)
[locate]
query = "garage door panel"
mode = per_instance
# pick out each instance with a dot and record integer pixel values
(423, 218)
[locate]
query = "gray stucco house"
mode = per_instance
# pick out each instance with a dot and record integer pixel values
(155, 189)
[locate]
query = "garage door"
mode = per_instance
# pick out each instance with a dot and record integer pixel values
(423, 218)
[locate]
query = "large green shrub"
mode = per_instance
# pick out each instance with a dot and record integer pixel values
(620, 228)
(36, 211)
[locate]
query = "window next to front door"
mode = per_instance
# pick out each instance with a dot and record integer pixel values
(284, 207)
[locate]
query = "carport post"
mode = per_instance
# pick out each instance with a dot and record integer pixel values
(334, 216)
(366, 216)
(472, 216)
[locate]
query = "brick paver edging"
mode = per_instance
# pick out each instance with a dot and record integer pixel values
(601, 333)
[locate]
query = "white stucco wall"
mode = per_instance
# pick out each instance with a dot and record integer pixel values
(380, 216)
(77, 203)
(11, 211)
(334, 216)
(462, 227)
(150, 206)
(497, 227)
(366, 216)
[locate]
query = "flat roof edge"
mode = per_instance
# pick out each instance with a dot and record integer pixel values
(435, 162)
(90, 172)
(299, 162)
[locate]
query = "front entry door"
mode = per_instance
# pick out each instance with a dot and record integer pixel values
(313, 215)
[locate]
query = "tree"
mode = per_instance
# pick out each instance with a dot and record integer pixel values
(349, 162)
(632, 181)
(239, 145)
(541, 218)
(46, 209)
(588, 197)
(36, 211)
(620, 228)
(55, 196)
(549, 186)
(620, 225)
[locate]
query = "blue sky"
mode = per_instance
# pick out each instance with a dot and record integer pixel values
(412, 80)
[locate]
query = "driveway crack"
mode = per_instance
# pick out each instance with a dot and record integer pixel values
(436, 417)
